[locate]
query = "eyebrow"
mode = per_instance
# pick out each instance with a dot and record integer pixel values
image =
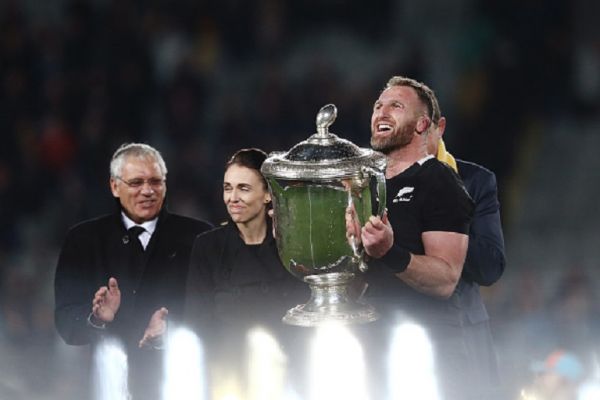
(242, 184)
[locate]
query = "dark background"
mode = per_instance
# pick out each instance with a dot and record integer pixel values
(519, 81)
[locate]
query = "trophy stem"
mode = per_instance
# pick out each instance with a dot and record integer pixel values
(331, 300)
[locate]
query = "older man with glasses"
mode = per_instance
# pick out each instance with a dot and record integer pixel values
(119, 275)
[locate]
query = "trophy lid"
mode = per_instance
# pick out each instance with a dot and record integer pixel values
(323, 156)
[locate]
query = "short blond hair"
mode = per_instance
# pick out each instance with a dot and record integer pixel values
(425, 94)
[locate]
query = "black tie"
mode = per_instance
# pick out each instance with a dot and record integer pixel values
(135, 232)
(137, 252)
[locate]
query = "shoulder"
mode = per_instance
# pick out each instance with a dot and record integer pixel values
(92, 231)
(93, 226)
(468, 169)
(433, 166)
(477, 179)
(438, 174)
(214, 234)
(211, 241)
(186, 224)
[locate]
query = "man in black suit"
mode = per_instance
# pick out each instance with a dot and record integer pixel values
(119, 275)
(484, 263)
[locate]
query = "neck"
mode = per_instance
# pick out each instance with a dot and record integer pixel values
(254, 231)
(399, 160)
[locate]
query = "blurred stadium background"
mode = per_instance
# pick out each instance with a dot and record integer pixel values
(519, 81)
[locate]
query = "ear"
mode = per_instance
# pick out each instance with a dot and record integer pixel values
(441, 126)
(113, 187)
(423, 124)
(267, 198)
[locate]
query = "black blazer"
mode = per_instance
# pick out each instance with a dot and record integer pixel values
(98, 249)
(485, 256)
(232, 285)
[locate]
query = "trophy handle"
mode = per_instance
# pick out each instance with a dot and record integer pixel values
(380, 188)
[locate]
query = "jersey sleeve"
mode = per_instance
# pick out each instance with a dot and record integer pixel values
(448, 207)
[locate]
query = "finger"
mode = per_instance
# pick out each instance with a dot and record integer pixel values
(99, 297)
(351, 228)
(144, 340)
(371, 229)
(161, 314)
(376, 222)
(369, 238)
(113, 285)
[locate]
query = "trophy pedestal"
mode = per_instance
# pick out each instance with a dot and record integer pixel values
(332, 300)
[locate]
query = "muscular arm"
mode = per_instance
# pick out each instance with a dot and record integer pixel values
(437, 272)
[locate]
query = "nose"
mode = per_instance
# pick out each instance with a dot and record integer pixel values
(384, 109)
(147, 188)
(377, 113)
(234, 195)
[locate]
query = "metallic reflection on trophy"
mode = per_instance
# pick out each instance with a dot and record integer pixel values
(312, 185)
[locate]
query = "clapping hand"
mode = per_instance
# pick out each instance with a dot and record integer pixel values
(156, 329)
(107, 301)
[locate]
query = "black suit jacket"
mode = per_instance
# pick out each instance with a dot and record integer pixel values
(485, 256)
(98, 249)
(234, 286)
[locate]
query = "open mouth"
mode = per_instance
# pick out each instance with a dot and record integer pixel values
(383, 127)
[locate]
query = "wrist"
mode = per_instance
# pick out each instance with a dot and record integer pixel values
(95, 322)
(396, 259)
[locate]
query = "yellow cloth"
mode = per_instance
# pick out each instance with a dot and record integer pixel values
(446, 157)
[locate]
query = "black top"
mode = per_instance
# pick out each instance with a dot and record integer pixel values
(235, 285)
(428, 196)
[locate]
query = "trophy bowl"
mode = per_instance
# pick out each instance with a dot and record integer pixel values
(312, 185)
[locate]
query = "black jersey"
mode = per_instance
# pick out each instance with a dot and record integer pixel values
(428, 196)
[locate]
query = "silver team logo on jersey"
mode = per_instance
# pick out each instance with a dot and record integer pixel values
(404, 194)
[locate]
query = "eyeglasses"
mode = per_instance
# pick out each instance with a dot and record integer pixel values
(137, 183)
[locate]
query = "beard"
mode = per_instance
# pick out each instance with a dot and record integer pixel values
(402, 137)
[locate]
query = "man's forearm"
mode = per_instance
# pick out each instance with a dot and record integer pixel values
(430, 275)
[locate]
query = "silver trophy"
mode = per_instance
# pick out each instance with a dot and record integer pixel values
(312, 185)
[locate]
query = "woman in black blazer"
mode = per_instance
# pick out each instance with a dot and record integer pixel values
(236, 281)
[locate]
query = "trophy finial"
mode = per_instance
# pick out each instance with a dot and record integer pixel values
(325, 118)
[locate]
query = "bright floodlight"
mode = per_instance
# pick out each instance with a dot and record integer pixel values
(337, 369)
(184, 372)
(225, 383)
(110, 371)
(411, 365)
(266, 367)
(589, 391)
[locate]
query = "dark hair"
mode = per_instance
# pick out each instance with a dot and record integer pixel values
(425, 94)
(252, 158)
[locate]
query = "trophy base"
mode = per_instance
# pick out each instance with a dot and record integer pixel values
(331, 301)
